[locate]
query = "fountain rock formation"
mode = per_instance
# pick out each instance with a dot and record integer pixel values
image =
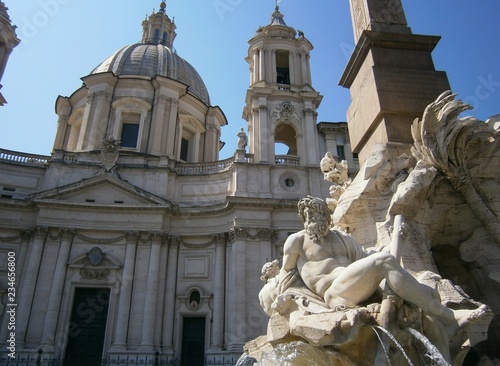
(410, 218)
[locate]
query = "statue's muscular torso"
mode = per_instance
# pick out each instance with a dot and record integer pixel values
(319, 264)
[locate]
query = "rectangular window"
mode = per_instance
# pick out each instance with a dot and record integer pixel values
(184, 149)
(341, 152)
(130, 129)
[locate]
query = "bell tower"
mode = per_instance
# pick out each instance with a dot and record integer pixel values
(8, 41)
(281, 104)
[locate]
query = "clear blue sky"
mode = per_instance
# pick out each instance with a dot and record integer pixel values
(63, 40)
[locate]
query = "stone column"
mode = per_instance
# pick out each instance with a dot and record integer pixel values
(122, 316)
(98, 105)
(62, 126)
(196, 148)
(262, 64)
(170, 296)
(56, 292)
(310, 137)
(291, 67)
(211, 140)
(308, 69)
(148, 324)
(219, 292)
(274, 74)
(28, 282)
(301, 146)
(255, 66)
(303, 66)
(254, 131)
(297, 68)
(264, 134)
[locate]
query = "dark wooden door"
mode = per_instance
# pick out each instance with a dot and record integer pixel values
(88, 327)
(193, 342)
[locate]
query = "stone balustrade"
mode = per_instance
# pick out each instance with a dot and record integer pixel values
(287, 160)
(23, 158)
(204, 168)
(284, 87)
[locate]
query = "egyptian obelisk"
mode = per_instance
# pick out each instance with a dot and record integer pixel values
(391, 76)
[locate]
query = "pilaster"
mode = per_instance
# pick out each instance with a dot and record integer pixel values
(170, 302)
(264, 135)
(56, 292)
(235, 293)
(158, 124)
(28, 282)
(148, 325)
(124, 301)
(169, 133)
(219, 292)
(255, 69)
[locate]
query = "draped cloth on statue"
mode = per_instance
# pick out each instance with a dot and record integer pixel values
(291, 286)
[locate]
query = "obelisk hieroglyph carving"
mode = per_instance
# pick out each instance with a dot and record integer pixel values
(378, 15)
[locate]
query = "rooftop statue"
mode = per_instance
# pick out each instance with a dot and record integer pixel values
(242, 139)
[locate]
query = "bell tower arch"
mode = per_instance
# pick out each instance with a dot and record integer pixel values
(281, 104)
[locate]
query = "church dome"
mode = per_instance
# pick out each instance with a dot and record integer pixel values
(148, 59)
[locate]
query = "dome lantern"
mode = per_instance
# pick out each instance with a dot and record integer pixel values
(277, 17)
(158, 28)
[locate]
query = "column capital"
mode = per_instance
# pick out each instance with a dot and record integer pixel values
(67, 233)
(102, 94)
(132, 237)
(40, 232)
(175, 241)
(162, 98)
(309, 111)
(220, 239)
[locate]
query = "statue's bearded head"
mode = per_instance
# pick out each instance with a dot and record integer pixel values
(316, 217)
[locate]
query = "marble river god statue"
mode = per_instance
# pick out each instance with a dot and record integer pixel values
(334, 302)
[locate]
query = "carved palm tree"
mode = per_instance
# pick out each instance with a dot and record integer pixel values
(447, 142)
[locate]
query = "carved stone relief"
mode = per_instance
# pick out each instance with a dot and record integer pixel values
(285, 112)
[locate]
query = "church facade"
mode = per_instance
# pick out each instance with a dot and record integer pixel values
(133, 240)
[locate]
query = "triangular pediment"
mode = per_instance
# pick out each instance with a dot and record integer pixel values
(104, 190)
